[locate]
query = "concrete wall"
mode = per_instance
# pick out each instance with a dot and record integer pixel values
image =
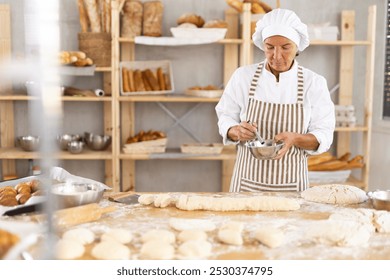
(202, 65)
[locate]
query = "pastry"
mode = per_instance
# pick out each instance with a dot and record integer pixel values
(217, 23)
(191, 18)
(7, 240)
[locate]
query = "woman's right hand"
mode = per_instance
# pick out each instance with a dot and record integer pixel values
(242, 132)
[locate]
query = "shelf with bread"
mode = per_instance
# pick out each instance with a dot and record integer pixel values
(123, 51)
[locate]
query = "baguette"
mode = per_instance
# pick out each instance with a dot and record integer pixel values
(167, 82)
(138, 82)
(148, 87)
(130, 74)
(345, 157)
(84, 21)
(125, 80)
(321, 158)
(152, 80)
(356, 162)
(329, 166)
(93, 14)
(160, 78)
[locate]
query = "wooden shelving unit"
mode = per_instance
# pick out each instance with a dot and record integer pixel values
(119, 111)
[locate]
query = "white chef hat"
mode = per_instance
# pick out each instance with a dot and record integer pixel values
(284, 23)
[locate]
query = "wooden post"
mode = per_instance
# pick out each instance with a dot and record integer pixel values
(246, 35)
(230, 50)
(346, 75)
(7, 134)
(369, 91)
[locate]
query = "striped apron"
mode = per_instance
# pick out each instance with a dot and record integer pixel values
(286, 174)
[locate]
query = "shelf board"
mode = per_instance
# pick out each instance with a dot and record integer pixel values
(175, 154)
(166, 98)
(18, 153)
(351, 129)
(340, 43)
(223, 41)
(103, 69)
(63, 98)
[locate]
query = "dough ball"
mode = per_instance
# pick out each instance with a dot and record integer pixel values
(180, 224)
(382, 221)
(82, 235)
(339, 233)
(123, 236)
(270, 236)
(230, 236)
(187, 235)
(335, 194)
(360, 215)
(194, 249)
(157, 250)
(69, 249)
(233, 225)
(162, 235)
(110, 250)
(162, 200)
(146, 199)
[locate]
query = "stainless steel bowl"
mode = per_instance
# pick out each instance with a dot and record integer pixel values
(97, 142)
(268, 150)
(75, 147)
(75, 194)
(380, 199)
(29, 143)
(64, 139)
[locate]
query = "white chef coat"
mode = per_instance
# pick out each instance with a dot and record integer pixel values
(319, 114)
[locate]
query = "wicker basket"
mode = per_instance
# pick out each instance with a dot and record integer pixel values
(97, 46)
(202, 148)
(146, 147)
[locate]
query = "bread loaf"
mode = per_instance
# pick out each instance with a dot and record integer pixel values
(132, 19)
(147, 85)
(83, 16)
(236, 4)
(130, 74)
(23, 197)
(321, 158)
(152, 18)
(125, 80)
(329, 166)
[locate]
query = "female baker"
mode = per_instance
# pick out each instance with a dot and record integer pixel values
(284, 101)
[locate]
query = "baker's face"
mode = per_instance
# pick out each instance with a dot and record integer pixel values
(280, 52)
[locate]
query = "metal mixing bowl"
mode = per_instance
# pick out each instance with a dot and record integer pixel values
(29, 143)
(268, 150)
(380, 199)
(64, 139)
(75, 147)
(75, 194)
(97, 142)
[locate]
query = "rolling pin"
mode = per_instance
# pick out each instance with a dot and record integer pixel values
(78, 215)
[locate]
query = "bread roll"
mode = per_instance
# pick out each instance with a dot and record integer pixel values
(7, 241)
(152, 19)
(132, 19)
(191, 18)
(147, 85)
(22, 197)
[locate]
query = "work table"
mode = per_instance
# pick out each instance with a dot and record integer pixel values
(140, 218)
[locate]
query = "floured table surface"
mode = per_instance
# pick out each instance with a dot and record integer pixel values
(138, 219)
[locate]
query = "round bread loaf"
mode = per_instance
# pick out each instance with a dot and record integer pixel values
(23, 188)
(216, 23)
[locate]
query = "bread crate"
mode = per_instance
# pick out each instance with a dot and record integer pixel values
(202, 148)
(146, 77)
(146, 147)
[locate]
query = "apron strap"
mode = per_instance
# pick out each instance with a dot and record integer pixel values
(256, 77)
(300, 85)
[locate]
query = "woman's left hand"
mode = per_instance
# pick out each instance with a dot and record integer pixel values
(288, 138)
(304, 141)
